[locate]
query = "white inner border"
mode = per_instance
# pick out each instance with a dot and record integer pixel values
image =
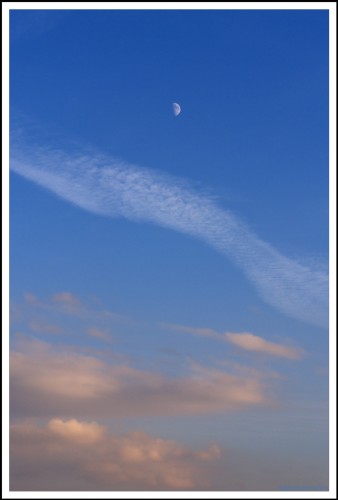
(6, 8)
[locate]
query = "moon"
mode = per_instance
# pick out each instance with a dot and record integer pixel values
(176, 108)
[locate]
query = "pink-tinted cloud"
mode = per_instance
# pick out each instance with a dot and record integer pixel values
(66, 303)
(245, 340)
(78, 432)
(254, 343)
(46, 382)
(68, 455)
(43, 327)
(76, 455)
(201, 332)
(99, 334)
(30, 298)
(66, 298)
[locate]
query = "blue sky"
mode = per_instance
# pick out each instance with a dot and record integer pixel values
(169, 274)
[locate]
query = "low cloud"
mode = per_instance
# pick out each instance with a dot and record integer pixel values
(254, 343)
(200, 332)
(65, 313)
(67, 299)
(69, 304)
(48, 381)
(245, 340)
(62, 302)
(78, 432)
(43, 327)
(30, 298)
(76, 455)
(99, 334)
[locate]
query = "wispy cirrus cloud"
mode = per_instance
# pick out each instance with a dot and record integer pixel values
(113, 188)
(245, 340)
(77, 455)
(47, 381)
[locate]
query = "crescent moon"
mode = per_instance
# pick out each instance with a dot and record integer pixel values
(176, 108)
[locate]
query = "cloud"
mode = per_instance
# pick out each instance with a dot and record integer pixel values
(251, 342)
(67, 299)
(63, 301)
(113, 188)
(38, 327)
(61, 304)
(247, 341)
(77, 455)
(30, 298)
(78, 432)
(200, 332)
(100, 334)
(41, 371)
(47, 381)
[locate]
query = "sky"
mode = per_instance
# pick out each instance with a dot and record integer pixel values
(169, 274)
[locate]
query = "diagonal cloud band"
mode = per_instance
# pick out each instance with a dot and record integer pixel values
(110, 187)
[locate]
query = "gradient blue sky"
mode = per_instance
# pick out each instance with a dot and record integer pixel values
(159, 284)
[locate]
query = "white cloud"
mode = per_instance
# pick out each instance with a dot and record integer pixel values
(109, 187)
(71, 455)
